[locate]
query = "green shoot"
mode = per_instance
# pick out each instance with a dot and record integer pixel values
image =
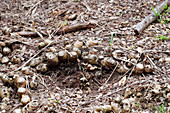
(166, 6)
(65, 22)
(111, 40)
(158, 15)
(57, 101)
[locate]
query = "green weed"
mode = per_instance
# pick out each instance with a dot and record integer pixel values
(159, 16)
(166, 21)
(162, 109)
(161, 37)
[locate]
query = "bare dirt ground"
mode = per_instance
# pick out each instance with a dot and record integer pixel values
(105, 68)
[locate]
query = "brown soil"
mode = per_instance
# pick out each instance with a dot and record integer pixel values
(64, 83)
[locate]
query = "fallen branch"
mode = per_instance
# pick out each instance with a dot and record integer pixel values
(150, 18)
(34, 33)
(75, 27)
(27, 33)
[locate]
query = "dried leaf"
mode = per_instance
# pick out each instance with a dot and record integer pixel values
(122, 81)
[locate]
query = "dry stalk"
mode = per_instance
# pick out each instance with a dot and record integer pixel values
(86, 5)
(97, 82)
(39, 34)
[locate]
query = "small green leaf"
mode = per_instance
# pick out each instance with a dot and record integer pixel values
(153, 8)
(57, 101)
(161, 37)
(167, 10)
(132, 47)
(166, 6)
(118, 13)
(166, 21)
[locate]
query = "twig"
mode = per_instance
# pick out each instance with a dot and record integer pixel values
(120, 89)
(153, 64)
(33, 7)
(132, 70)
(39, 34)
(125, 60)
(86, 5)
(43, 83)
(75, 27)
(27, 33)
(111, 74)
(146, 91)
(13, 41)
(14, 108)
(147, 51)
(97, 82)
(77, 107)
(122, 76)
(53, 33)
